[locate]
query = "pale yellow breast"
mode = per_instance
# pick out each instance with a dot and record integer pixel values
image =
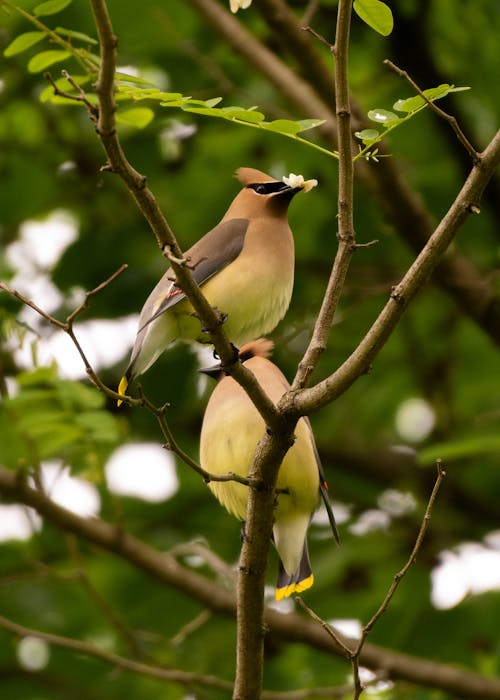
(231, 430)
(254, 290)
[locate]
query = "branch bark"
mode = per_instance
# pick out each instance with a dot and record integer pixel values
(291, 628)
(466, 203)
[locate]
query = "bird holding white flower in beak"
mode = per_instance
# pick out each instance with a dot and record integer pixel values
(245, 267)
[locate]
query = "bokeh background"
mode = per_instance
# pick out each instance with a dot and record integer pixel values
(434, 391)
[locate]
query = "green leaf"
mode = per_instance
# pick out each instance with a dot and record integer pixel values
(214, 101)
(376, 14)
(76, 395)
(382, 116)
(243, 115)
(127, 78)
(283, 126)
(37, 423)
(459, 449)
(137, 116)
(102, 426)
(51, 441)
(367, 135)
(51, 7)
(47, 58)
(306, 124)
(413, 103)
(70, 34)
(23, 42)
(35, 377)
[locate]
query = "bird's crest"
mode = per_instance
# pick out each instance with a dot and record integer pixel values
(262, 347)
(251, 176)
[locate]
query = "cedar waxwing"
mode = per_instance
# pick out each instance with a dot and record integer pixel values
(231, 429)
(245, 266)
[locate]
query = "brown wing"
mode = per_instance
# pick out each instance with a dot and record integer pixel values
(207, 257)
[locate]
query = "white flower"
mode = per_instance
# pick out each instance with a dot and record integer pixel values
(235, 5)
(298, 181)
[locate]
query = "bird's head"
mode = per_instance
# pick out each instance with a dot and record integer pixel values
(263, 195)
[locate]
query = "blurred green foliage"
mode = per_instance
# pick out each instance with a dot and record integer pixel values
(50, 159)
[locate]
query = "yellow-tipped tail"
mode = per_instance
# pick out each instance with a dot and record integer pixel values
(122, 388)
(298, 587)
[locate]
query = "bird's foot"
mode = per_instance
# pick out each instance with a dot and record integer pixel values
(233, 360)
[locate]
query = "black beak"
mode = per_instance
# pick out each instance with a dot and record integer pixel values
(216, 372)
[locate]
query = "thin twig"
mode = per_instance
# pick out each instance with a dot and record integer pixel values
(79, 97)
(210, 318)
(174, 447)
(452, 121)
(339, 641)
(353, 652)
(319, 37)
(411, 560)
(143, 401)
(93, 292)
(175, 676)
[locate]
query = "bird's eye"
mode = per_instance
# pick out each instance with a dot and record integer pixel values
(260, 189)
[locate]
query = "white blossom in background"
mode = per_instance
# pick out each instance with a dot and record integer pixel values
(415, 419)
(370, 521)
(143, 470)
(236, 5)
(68, 491)
(348, 627)
(18, 522)
(471, 568)
(32, 653)
(41, 242)
(397, 503)
(97, 337)
(342, 512)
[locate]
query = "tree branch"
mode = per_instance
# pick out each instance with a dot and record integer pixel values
(466, 202)
(291, 628)
(346, 234)
(437, 110)
(184, 678)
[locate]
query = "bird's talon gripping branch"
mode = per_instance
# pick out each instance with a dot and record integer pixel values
(235, 358)
(167, 252)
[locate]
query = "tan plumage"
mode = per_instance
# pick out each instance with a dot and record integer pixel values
(231, 429)
(245, 266)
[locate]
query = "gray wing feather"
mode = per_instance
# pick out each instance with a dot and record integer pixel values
(208, 256)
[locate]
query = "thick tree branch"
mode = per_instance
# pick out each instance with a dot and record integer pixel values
(346, 234)
(184, 678)
(290, 627)
(466, 203)
(253, 563)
